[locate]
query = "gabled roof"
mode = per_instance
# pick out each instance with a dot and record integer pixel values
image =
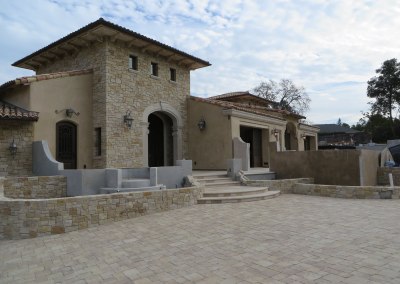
(334, 128)
(241, 107)
(96, 31)
(29, 79)
(230, 98)
(239, 95)
(11, 112)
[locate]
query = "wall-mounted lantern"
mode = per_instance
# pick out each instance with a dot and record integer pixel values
(69, 112)
(13, 148)
(128, 119)
(275, 132)
(303, 136)
(201, 124)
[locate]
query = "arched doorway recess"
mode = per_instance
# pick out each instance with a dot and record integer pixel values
(162, 135)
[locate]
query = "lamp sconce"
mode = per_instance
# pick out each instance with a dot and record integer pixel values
(13, 148)
(275, 132)
(69, 112)
(201, 124)
(303, 136)
(128, 119)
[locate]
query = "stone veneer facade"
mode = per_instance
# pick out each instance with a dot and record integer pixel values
(35, 187)
(22, 133)
(40, 217)
(117, 89)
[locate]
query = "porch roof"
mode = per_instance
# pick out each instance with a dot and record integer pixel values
(12, 112)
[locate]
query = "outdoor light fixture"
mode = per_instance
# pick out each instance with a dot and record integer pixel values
(303, 136)
(13, 148)
(69, 112)
(128, 119)
(275, 132)
(201, 124)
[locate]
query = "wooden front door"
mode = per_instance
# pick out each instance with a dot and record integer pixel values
(66, 144)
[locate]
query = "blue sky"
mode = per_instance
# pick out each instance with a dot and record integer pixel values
(332, 48)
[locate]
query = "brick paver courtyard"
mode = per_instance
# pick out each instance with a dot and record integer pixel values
(289, 239)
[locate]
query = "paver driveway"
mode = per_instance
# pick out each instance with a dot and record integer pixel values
(290, 239)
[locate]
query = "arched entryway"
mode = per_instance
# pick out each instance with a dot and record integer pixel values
(162, 135)
(160, 140)
(66, 144)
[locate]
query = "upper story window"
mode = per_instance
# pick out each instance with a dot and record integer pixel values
(172, 74)
(154, 69)
(133, 62)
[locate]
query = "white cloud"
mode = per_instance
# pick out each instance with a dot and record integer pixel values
(322, 45)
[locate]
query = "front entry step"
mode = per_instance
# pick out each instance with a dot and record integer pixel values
(240, 198)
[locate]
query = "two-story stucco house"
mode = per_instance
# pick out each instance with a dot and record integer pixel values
(107, 97)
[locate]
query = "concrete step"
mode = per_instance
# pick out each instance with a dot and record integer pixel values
(210, 176)
(211, 180)
(234, 191)
(135, 182)
(235, 199)
(108, 190)
(221, 183)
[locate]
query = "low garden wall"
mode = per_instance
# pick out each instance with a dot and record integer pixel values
(35, 187)
(40, 217)
(338, 191)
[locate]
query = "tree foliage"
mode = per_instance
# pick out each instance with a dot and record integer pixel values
(385, 89)
(285, 94)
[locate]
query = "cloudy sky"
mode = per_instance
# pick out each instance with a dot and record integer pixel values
(331, 48)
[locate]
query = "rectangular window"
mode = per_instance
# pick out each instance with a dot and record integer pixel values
(154, 69)
(172, 73)
(97, 141)
(133, 62)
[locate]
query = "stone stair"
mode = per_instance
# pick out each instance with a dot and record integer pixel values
(222, 189)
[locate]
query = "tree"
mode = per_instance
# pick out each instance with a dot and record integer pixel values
(385, 89)
(285, 94)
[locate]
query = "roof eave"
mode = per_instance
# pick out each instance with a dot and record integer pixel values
(46, 53)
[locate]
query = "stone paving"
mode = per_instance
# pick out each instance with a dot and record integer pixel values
(289, 239)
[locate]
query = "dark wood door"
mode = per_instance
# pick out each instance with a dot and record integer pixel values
(66, 144)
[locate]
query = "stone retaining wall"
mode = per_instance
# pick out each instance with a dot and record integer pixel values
(359, 192)
(40, 217)
(383, 176)
(35, 187)
(283, 185)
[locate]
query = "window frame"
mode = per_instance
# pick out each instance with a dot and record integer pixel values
(133, 62)
(154, 69)
(172, 74)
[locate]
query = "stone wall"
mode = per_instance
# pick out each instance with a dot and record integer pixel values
(358, 192)
(35, 187)
(22, 133)
(283, 185)
(33, 218)
(383, 176)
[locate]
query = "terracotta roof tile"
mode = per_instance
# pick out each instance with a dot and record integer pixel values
(41, 77)
(11, 112)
